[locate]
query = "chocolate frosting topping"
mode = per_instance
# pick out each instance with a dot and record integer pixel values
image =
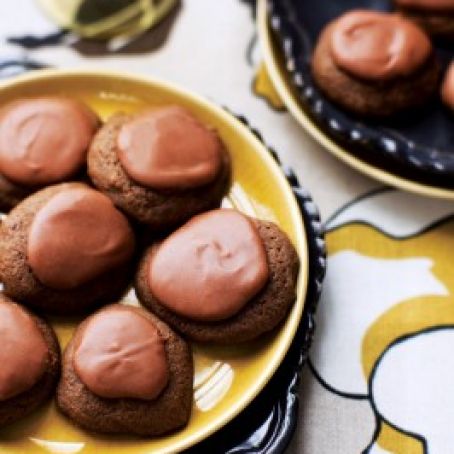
(211, 267)
(168, 148)
(76, 236)
(447, 89)
(427, 5)
(378, 46)
(24, 352)
(120, 353)
(44, 140)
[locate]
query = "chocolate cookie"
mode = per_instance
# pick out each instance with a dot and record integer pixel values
(125, 371)
(436, 17)
(160, 167)
(42, 141)
(447, 88)
(222, 277)
(65, 249)
(372, 64)
(30, 358)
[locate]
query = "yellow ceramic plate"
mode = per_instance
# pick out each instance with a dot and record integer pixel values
(226, 379)
(283, 85)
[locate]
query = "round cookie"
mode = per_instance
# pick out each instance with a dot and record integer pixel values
(43, 141)
(373, 63)
(160, 167)
(447, 88)
(436, 17)
(21, 394)
(166, 409)
(217, 265)
(65, 249)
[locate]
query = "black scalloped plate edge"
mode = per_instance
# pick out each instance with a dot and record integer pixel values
(278, 402)
(376, 146)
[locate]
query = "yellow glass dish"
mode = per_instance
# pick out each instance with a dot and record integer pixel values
(129, 21)
(226, 378)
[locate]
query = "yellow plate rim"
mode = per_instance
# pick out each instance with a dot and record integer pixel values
(294, 317)
(284, 89)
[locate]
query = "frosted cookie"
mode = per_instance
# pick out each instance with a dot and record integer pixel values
(65, 249)
(160, 167)
(125, 371)
(222, 277)
(30, 358)
(435, 16)
(373, 63)
(43, 141)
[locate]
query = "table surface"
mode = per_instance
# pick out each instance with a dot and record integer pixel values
(211, 48)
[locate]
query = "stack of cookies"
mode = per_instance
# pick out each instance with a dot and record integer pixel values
(95, 208)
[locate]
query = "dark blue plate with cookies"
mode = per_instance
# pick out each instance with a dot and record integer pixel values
(414, 151)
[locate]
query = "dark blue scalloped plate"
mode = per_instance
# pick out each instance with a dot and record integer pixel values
(418, 147)
(267, 424)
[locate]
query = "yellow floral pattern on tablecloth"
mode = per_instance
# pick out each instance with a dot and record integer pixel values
(264, 88)
(396, 276)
